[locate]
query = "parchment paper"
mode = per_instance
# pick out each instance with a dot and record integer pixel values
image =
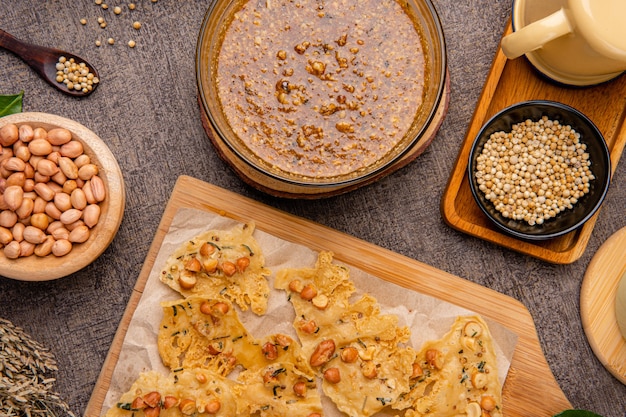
(428, 317)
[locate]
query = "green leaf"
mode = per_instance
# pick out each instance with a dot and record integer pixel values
(576, 413)
(11, 104)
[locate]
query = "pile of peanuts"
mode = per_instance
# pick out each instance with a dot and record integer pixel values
(50, 191)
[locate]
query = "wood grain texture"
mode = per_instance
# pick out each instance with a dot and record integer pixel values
(510, 82)
(530, 387)
(597, 304)
(35, 268)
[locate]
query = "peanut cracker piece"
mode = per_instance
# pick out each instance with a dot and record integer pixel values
(221, 264)
(456, 375)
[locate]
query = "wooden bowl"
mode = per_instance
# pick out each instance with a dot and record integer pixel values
(36, 268)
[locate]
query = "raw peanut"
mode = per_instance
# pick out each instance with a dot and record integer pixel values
(87, 171)
(18, 231)
(40, 205)
(72, 226)
(62, 201)
(5, 153)
(47, 167)
(17, 178)
(8, 218)
(13, 197)
(88, 193)
(40, 147)
(23, 153)
(29, 171)
(91, 215)
(44, 191)
(29, 185)
(25, 133)
(61, 247)
(69, 186)
(12, 250)
(78, 199)
(81, 160)
(97, 188)
(39, 177)
(34, 235)
(9, 134)
(26, 248)
(30, 194)
(60, 233)
(40, 221)
(54, 155)
(14, 164)
(45, 248)
(34, 160)
(59, 136)
(79, 235)
(26, 209)
(5, 235)
(322, 353)
(54, 226)
(72, 149)
(4, 173)
(68, 167)
(40, 133)
(70, 216)
(59, 178)
(53, 211)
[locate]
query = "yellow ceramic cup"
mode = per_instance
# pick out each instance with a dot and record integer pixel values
(576, 42)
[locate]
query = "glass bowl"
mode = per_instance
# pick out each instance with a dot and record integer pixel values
(270, 176)
(567, 220)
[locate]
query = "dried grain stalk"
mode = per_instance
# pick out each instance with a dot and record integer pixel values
(26, 388)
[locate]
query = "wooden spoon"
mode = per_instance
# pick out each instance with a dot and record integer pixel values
(43, 60)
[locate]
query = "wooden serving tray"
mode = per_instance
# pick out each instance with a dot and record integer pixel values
(530, 387)
(509, 82)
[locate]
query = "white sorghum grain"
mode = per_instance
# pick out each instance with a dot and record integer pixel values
(76, 76)
(534, 172)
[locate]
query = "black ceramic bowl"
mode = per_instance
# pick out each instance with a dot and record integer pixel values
(570, 219)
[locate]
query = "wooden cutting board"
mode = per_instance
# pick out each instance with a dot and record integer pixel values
(597, 304)
(530, 387)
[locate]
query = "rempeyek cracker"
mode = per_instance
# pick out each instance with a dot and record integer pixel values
(226, 264)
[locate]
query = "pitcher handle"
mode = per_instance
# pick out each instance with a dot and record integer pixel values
(536, 34)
